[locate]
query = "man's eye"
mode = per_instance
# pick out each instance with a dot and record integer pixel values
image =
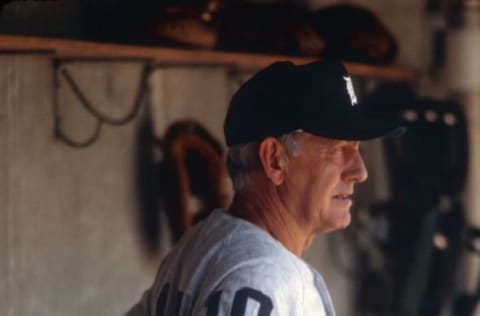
(338, 150)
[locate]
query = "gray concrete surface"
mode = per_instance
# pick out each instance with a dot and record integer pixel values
(69, 245)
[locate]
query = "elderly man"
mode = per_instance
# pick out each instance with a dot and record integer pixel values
(293, 134)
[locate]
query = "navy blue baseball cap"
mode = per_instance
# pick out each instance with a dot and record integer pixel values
(317, 98)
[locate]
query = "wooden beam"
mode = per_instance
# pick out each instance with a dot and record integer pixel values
(66, 49)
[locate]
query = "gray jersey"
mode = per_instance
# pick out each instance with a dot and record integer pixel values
(228, 266)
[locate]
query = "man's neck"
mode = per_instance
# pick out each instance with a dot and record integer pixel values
(270, 215)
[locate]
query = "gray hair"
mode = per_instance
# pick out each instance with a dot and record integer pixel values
(243, 159)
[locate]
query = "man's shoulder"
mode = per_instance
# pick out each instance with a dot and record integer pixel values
(232, 238)
(247, 246)
(250, 260)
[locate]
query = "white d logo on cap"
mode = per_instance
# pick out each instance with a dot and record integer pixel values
(351, 92)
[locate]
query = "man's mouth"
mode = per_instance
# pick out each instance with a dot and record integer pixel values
(343, 196)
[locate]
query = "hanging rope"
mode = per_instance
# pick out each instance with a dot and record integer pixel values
(141, 94)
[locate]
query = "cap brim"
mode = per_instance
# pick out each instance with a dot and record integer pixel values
(356, 127)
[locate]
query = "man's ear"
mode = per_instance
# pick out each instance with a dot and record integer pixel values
(272, 157)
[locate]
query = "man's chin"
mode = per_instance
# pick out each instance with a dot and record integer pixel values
(339, 223)
(343, 220)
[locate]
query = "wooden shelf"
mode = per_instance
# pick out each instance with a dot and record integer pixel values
(65, 49)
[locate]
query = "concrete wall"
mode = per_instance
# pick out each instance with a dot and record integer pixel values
(69, 242)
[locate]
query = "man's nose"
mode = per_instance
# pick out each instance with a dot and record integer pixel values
(356, 171)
